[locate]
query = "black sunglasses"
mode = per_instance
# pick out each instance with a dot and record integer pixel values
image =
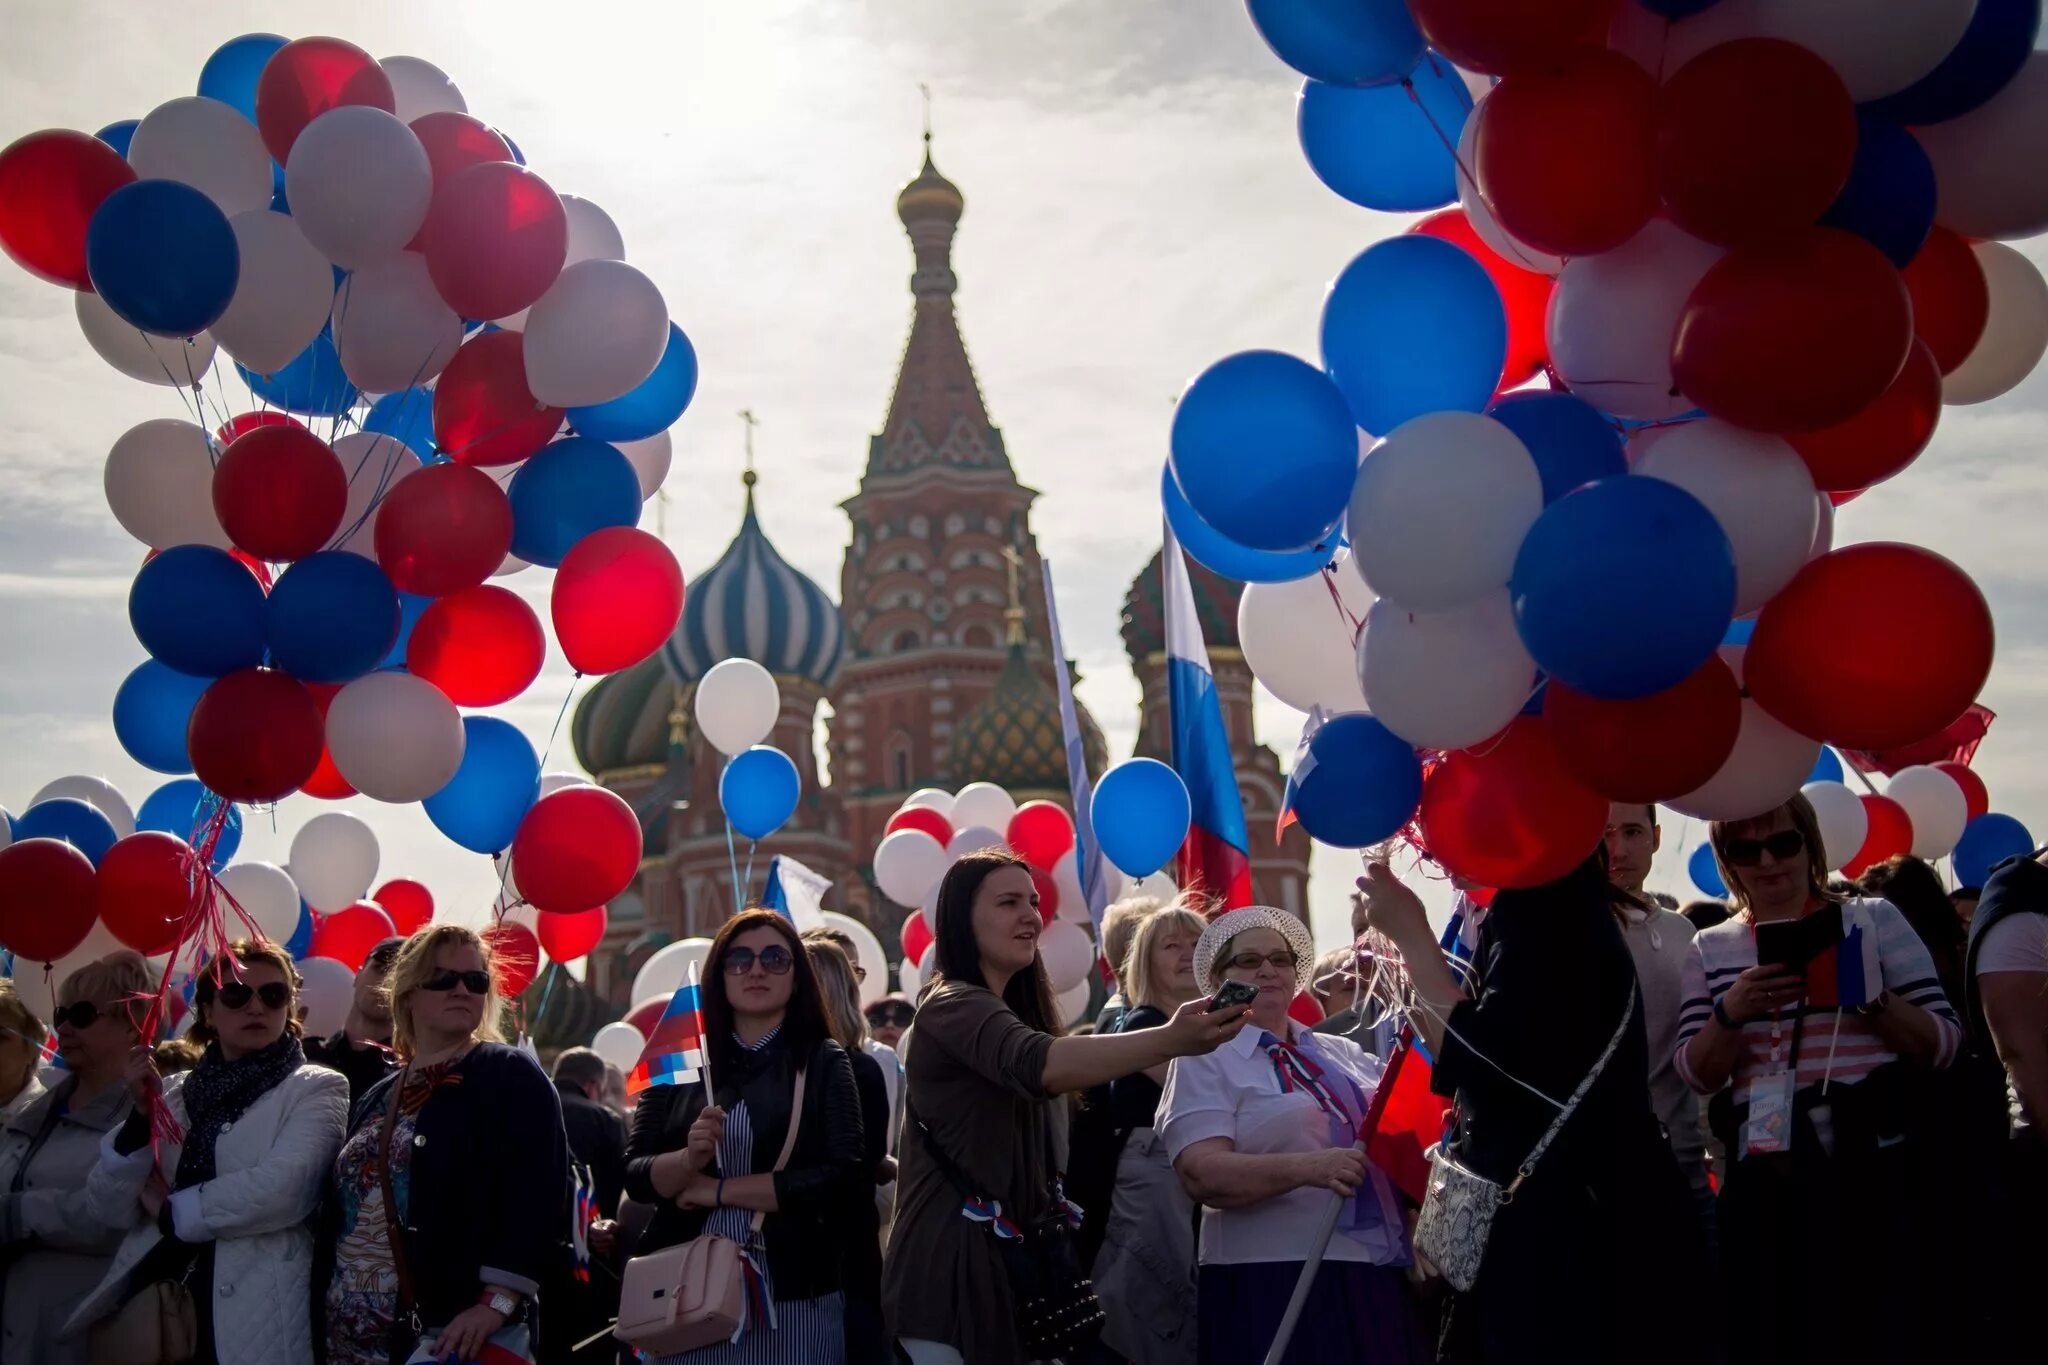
(476, 983)
(891, 1016)
(1786, 843)
(275, 995)
(774, 961)
(84, 1014)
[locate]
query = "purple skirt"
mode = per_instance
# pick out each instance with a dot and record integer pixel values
(1356, 1314)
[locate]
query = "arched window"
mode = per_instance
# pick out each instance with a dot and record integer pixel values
(907, 640)
(899, 761)
(978, 637)
(903, 770)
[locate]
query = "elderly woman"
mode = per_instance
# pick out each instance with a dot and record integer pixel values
(1262, 1133)
(224, 1209)
(55, 1249)
(21, 1054)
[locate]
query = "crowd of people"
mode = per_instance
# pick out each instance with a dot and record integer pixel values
(1805, 1125)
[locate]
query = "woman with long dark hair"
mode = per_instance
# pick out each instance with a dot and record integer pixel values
(711, 1168)
(983, 1075)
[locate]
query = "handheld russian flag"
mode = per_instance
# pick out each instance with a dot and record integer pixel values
(674, 1054)
(1216, 859)
(1304, 764)
(1089, 863)
(795, 892)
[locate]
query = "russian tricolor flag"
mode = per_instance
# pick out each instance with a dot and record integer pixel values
(674, 1054)
(1216, 859)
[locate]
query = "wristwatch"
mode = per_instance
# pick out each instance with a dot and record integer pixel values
(1875, 1007)
(501, 1303)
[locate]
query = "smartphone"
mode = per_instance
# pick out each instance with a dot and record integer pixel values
(1794, 943)
(1231, 994)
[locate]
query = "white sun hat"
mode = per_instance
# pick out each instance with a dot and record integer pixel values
(1224, 928)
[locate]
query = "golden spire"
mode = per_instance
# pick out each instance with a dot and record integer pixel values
(1013, 615)
(747, 477)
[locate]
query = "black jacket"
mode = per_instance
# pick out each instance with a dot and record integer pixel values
(597, 1138)
(362, 1066)
(812, 1193)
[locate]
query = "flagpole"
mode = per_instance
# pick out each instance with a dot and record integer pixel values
(696, 986)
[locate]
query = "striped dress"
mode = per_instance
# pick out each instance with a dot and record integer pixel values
(1836, 1045)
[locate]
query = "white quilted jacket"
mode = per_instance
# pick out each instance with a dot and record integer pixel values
(272, 1164)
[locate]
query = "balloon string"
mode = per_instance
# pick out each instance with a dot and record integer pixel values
(733, 858)
(1353, 624)
(747, 888)
(1466, 172)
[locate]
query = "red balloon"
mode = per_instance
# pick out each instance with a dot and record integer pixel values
(256, 735)
(495, 239)
(1524, 293)
(326, 783)
(1754, 137)
(645, 1015)
(1882, 439)
(568, 937)
(1871, 646)
(280, 492)
(924, 818)
(348, 934)
(1509, 814)
(617, 597)
(1891, 834)
(1976, 796)
(576, 848)
(915, 936)
(1048, 893)
(410, 905)
(244, 423)
(1042, 831)
(443, 529)
(309, 76)
(1500, 36)
(1648, 748)
(480, 646)
(483, 412)
(146, 889)
(455, 142)
(50, 184)
(1951, 300)
(48, 897)
(1563, 152)
(1795, 335)
(515, 957)
(1304, 1010)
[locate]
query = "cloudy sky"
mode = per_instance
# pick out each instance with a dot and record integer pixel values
(1137, 208)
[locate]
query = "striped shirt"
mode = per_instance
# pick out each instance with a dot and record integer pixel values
(1835, 1044)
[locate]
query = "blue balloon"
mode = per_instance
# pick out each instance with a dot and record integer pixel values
(518, 157)
(1739, 631)
(310, 383)
(301, 941)
(331, 617)
(181, 807)
(1264, 448)
(1623, 588)
(1571, 443)
(1705, 873)
(758, 791)
(410, 609)
(231, 73)
(163, 257)
(1219, 554)
(572, 487)
(1413, 325)
(119, 135)
(1987, 841)
(151, 712)
(1387, 147)
(1989, 55)
(78, 823)
(408, 417)
(1827, 768)
(498, 782)
(1344, 42)
(1889, 199)
(653, 405)
(1140, 813)
(198, 610)
(1362, 782)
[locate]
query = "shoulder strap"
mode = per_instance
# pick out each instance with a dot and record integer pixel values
(1557, 1124)
(796, 1119)
(392, 1221)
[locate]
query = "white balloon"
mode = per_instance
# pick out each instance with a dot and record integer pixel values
(552, 782)
(172, 362)
(1988, 162)
(868, 951)
(1073, 1003)
(1480, 216)
(620, 1044)
(282, 296)
(102, 795)
(931, 798)
(1758, 489)
(909, 979)
(737, 705)
(1066, 878)
(1159, 886)
(1844, 821)
(908, 863)
(6, 828)
(1612, 318)
(1768, 764)
(1298, 639)
(982, 803)
(395, 737)
(418, 87)
(1439, 509)
(972, 839)
(208, 145)
(1936, 805)
(359, 183)
(2015, 333)
(390, 327)
(159, 482)
(1445, 680)
(1067, 952)
(267, 895)
(326, 989)
(374, 463)
(334, 859)
(1876, 49)
(668, 968)
(593, 236)
(598, 331)
(650, 459)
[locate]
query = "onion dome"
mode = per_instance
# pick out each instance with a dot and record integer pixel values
(930, 196)
(1144, 624)
(752, 605)
(626, 720)
(1014, 739)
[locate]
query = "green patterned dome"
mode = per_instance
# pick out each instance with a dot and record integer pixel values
(624, 721)
(1013, 739)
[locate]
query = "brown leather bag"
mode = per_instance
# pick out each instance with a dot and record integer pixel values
(157, 1326)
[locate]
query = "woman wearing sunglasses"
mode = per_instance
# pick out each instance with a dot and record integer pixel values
(224, 1209)
(711, 1168)
(1819, 1018)
(450, 1197)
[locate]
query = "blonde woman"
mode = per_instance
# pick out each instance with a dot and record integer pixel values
(468, 1137)
(839, 990)
(21, 1053)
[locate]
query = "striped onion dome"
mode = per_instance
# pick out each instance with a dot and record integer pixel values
(752, 605)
